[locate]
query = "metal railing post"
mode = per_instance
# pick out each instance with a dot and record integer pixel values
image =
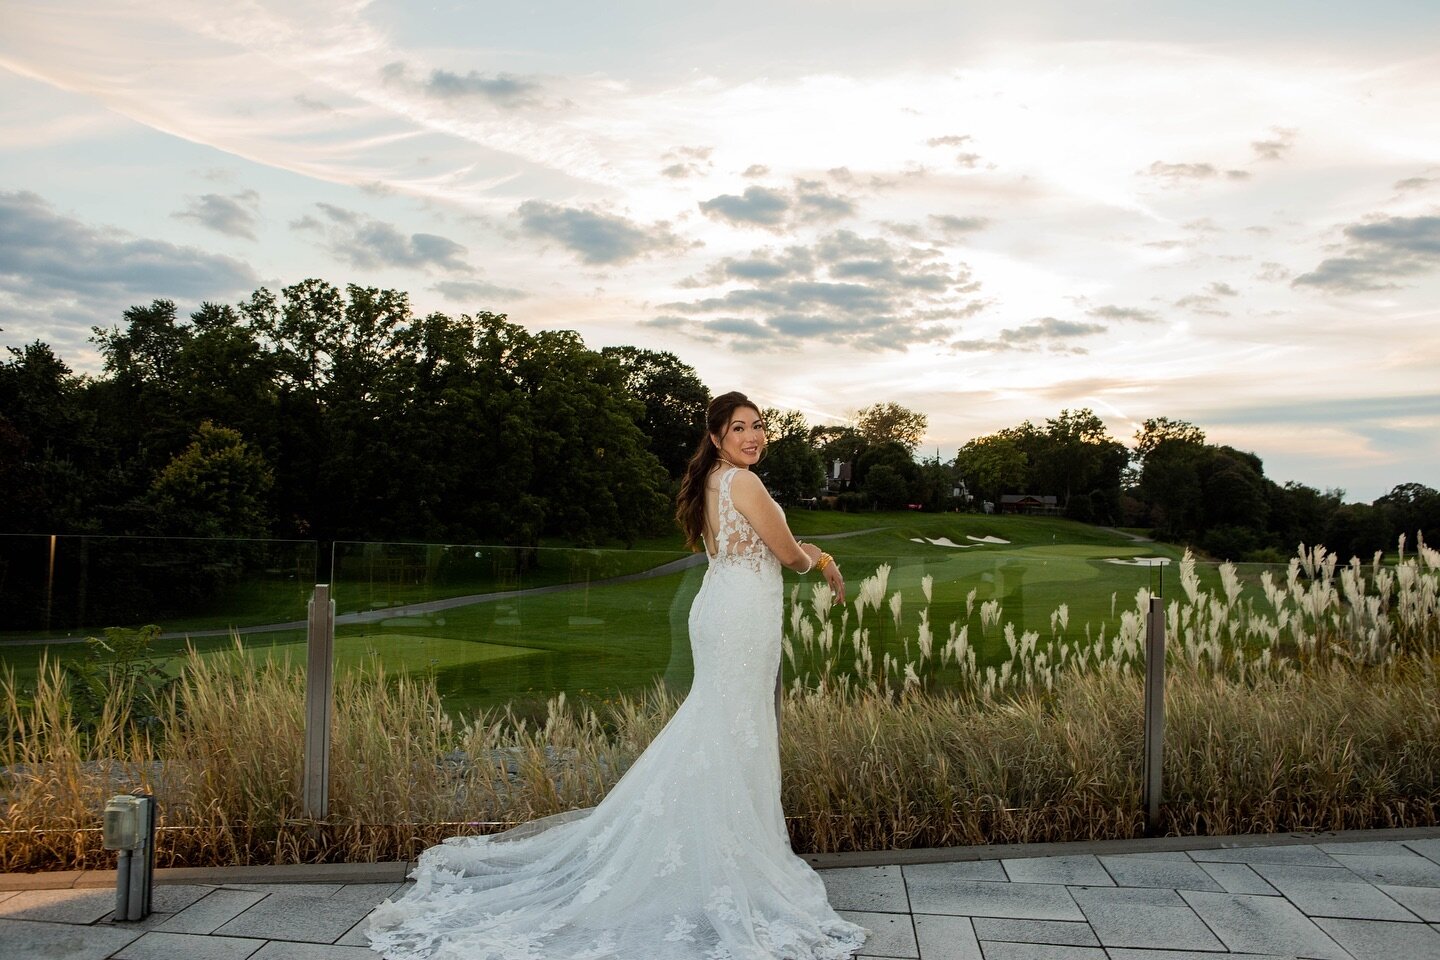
(319, 702)
(1151, 787)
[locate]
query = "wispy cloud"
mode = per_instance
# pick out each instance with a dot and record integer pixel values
(370, 244)
(1379, 253)
(471, 291)
(1044, 333)
(1112, 312)
(1172, 174)
(805, 202)
(1274, 147)
(844, 288)
(502, 89)
(233, 215)
(596, 237)
(60, 275)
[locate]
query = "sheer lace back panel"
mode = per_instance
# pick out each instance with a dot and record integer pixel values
(736, 541)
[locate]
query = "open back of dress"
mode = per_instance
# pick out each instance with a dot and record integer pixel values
(686, 858)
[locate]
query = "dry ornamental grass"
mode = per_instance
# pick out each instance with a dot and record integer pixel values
(1310, 705)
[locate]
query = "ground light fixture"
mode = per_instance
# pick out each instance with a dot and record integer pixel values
(130, 830)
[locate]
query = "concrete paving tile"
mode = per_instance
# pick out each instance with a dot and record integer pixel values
(212, 911)
(946, 938)
(1250, 924)
(1125, 953)
(1305, 854)
(290, 889)
(1424, 902)
(37, 940)
(1134, 917)
(1000, 950)
(1382, 940)
(891, 934)
(49, 880)
(188, 946)
(1167, 874)
(62, 906)
(1328, 898)
(1369, 848)
(281, 950)
(1275, 873)
(877, 889)
(1409, 870)
(296, 918)
(171, 897)
(962, 870)
(371, 893)
(1035, 931)
(355, 936)
(1239, 878)
(1081, 869)
(1426, 848)
(980, 898)
(7, 894)
(153, 922)
(1156, 855)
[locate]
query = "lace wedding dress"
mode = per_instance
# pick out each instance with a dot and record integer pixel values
(686, 858)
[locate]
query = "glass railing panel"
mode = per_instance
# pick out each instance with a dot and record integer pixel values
(171, 665)
(512, 627)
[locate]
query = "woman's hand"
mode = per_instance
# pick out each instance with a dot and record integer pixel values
(836, 581)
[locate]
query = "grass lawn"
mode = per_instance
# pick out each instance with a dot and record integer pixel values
(598, 640)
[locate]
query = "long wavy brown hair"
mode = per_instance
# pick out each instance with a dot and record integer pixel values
(690, 504)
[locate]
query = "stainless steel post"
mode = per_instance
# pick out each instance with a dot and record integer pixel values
(1151, 788)
(123, 861)
(319, 702)
(142, 864)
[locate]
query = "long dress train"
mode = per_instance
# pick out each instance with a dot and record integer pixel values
(686, 858)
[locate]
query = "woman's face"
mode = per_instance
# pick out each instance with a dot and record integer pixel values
(743, 441)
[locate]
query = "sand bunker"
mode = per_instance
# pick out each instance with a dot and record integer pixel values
(985, 539)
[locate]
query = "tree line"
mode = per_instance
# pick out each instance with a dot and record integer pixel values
(340, 415)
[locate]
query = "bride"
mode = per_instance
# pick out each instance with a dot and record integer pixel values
(687, 857)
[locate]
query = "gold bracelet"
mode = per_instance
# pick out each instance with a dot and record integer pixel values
(823, 561)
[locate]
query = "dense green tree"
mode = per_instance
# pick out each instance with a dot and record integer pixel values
(1084, 459)
(991, 466)
(1299, 513)
(886, 488)
(891, 453)
(46, 437)
(672, 402)
(1414, 510)
(934, 487)
(1357, 530)
(889, 422)
(791, 468)
(217, 487)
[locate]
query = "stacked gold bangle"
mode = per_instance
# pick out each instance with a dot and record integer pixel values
(824, 560)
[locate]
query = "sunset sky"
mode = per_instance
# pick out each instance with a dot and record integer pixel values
(1222, 212)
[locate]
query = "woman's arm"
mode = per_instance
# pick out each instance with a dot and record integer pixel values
(756, 505)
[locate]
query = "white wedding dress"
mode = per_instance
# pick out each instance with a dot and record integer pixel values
(686, 858)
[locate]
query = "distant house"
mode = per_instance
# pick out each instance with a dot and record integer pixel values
(838, 477)
(1028, 503)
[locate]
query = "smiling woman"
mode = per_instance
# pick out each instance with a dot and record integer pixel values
(688, 853)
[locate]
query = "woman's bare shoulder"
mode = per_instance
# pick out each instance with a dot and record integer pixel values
(746, 484)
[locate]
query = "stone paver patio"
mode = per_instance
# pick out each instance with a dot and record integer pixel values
(1364, 895)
